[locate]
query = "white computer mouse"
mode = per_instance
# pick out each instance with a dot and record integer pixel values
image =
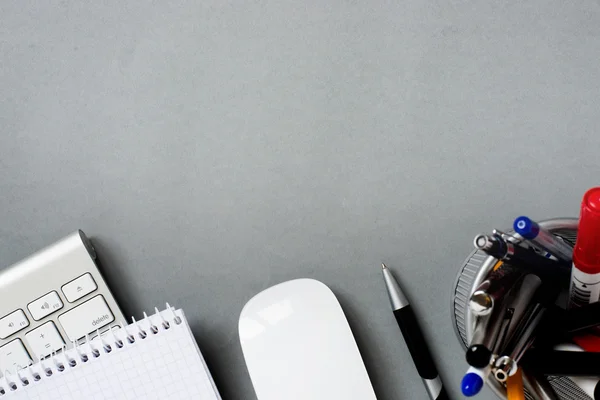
(298, 345)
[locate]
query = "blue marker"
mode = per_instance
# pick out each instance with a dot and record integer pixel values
(543, 239)
(473, 381)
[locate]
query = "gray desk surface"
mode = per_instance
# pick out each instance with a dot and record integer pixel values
(212, 149)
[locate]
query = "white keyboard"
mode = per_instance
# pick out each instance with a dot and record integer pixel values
(52, 299)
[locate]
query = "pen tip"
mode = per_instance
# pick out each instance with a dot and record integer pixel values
(383, 266)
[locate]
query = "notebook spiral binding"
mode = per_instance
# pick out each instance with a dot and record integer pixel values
(90, 349)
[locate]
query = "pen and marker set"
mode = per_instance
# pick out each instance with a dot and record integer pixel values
(508, 312)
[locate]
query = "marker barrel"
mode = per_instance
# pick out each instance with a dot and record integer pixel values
(579, 318)
(527, 259)
(590, 385)
(562, 363)
(543, 239)
(496, 285)
(585, 275)
(485, 336)
(521, 302)
(506, 365)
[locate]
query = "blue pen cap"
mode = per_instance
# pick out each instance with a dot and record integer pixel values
(526, 227)
(471, 384)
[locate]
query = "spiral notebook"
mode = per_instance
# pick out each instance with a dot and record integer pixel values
(155, 358)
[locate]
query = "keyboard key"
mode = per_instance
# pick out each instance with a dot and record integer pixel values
(13, 356)
(44, 340)
(12, 323)
(104, 332)
(79, 287)
(45, 305)
(86, 318)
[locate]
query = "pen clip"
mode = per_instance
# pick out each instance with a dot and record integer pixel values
(511, 238)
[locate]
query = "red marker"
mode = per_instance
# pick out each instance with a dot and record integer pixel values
(585, 276)
(588, 342)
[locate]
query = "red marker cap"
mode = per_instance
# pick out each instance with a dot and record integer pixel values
(586, 255)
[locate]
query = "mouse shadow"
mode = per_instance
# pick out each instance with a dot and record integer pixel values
(364, 342)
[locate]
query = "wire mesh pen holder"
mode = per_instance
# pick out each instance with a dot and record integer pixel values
(472, 273)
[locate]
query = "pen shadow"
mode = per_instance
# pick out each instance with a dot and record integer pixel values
(362, 338)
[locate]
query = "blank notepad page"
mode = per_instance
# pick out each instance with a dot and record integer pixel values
(165, 364)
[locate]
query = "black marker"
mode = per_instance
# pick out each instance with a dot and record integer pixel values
(414, 338)
(491, 332)
(562, 363)
(547, 269)
(590, 385)
(579, 318)
(485, 337)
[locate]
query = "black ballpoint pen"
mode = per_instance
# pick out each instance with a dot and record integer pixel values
(413, 336)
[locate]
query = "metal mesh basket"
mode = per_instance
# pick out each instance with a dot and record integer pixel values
(472, 273)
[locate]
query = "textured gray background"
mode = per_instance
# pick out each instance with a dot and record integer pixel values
(212, 149)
